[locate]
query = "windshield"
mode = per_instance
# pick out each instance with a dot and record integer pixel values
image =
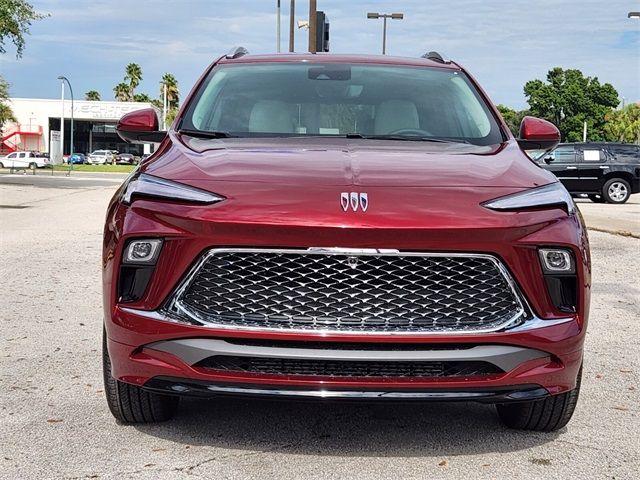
(372, 101)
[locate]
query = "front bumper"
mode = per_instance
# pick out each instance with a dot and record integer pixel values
(163, 356)
(189, 231)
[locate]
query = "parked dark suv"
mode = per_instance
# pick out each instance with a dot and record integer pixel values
(607, 172)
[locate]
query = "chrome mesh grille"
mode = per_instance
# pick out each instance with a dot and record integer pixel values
(304, 290)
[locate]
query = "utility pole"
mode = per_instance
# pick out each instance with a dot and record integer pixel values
(292, 14)
(278, 28)
(313, 8)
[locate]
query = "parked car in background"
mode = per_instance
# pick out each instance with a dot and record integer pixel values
(24, 160)
(77, 158)
(127, 159)
(343, 227)
(100, 157)
(606, 172)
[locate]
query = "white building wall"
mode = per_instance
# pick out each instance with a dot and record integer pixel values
(36, 112)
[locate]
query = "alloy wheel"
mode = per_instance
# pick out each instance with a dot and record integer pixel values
(618, 191)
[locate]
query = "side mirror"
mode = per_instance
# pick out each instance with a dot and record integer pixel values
(536, 133)
(548, 159)
(141, 126)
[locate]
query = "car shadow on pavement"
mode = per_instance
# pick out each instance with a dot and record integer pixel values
(344, 429)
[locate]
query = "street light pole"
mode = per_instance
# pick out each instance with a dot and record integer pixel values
(61, 128)
(278, 27)
(384, 35)
(384, 16)
(65, 79)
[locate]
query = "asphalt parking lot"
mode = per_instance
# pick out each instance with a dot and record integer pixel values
(54, 422)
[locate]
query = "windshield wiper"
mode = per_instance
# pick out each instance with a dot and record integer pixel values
(409, 138)
(205, 133)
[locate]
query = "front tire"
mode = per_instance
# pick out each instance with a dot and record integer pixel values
(547, 415)
(130, 403)
(616, 190)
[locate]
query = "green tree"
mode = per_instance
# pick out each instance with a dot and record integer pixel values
(624, 125)
(173, 95)
(6, 114)
(569, 99)
(15, 19)
(92, 95)
(142, 97)
(133, 75)
(512, 118)
(122, 92)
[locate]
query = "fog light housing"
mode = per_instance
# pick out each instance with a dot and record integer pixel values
(142, 251)
(556, 260)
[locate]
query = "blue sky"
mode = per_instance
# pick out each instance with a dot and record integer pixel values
(503, 43)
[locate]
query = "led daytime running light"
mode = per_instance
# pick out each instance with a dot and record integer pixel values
(553, 194)
(151, 186)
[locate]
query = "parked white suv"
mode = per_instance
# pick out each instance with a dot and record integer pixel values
(100, 157)
(24, 160)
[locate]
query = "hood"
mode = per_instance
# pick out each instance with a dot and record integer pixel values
(304, 162)
(299, 182)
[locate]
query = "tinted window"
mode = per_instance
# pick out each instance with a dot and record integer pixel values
(294, 99)
(564, 155)
(625, 153)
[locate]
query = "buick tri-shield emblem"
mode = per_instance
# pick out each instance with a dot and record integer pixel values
(354, 200)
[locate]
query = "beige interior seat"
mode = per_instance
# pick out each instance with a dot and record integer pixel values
(395, 115)
(271, 116)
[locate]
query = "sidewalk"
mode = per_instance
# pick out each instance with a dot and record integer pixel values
(620, 219)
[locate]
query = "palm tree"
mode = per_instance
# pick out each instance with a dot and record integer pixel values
(133, 76)
(173, 93)
(122, 93)
(92, 96)
(142, 97)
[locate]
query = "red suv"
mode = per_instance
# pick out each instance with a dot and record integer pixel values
(343, 227)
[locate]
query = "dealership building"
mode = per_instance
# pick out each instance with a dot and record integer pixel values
(38, 123)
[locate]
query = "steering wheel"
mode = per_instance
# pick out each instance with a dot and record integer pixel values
(411, 132)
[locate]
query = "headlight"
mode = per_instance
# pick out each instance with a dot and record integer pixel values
(551, 195)
(150, 186)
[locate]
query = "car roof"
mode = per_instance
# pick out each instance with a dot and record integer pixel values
(334, 58)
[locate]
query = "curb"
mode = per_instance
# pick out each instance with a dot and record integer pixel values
(620, 233)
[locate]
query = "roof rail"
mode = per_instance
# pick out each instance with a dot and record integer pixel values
(237, 52)
(436, 57)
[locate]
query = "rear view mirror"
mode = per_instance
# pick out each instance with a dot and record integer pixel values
(536, 133)
(141, 126)
(330, 72)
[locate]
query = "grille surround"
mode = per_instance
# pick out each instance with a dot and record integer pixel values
(181, 307)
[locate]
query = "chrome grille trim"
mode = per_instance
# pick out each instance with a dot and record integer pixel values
(177, 310)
